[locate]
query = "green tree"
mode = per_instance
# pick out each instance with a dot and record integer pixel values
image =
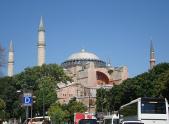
(2, 109)
(30, 76)
(65, 113)
(45, 94)
(37, 79)
(101, 100)
(9, 95)
(2, 104)
(73, 107)
(162, 85)
(43, 81)
(115, 97)
(56, 113)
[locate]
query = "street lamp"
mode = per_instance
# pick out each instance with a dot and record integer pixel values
(43, 99)
(89, 99)
(102, 96)
(43, 79)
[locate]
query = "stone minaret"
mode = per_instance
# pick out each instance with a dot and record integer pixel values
(152, 56)
(11, 60)
(41, 43)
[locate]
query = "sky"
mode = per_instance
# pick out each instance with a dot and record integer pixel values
(119, 30)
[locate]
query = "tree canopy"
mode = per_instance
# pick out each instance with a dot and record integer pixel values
(40, 80)
(65, 113)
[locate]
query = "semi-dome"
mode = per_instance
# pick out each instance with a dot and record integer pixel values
(83, 55)
(81, 58)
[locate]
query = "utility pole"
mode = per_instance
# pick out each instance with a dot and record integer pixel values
(27, 114)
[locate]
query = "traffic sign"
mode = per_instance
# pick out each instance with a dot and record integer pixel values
(27, 99)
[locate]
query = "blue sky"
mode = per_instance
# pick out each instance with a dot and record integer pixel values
(119, 30)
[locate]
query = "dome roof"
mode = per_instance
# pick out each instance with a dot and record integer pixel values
(81, 58)
(83, 55)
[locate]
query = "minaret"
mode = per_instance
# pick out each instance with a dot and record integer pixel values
(108, 63)
(11, 60)
(41, 43)
(152, 56)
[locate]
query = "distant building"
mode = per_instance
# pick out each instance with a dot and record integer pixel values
(89, 73)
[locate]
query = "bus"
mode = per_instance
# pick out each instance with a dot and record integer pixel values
(146, 110)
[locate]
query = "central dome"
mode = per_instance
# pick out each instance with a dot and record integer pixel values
(81, 58)
(83, 55)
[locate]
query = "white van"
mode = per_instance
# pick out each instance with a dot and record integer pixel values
(131, 122)
(39, 120)
(111, 119)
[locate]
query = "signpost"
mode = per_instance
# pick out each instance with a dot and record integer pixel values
(27, 101)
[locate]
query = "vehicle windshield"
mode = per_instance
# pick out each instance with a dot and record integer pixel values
(108, 121)
(88, 121)
(115, 121)
(153, 106)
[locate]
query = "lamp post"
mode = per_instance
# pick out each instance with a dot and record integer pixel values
(102, 100)
(43, 96)
(89, 100)
(43, 100)
(102, 96)
(33, 101)
(20, 101)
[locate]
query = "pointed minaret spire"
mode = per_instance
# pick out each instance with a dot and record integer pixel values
(41, 25)
(108, 63)
(11, 60)
(152, 56)
(41, 43)
(11, 46)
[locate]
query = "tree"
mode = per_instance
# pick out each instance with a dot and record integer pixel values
(101, 100)
(39, 79)
(162, 85)
(2, 109)
(72, 107)
(9, 95)
(56, 113)
(46, 93)
(2, 104)
(116, 95)
(43, 81)
(31, 76)
(75, 106)
(65, 113)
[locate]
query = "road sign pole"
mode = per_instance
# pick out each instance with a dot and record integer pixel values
(27, 101)
(27, 113)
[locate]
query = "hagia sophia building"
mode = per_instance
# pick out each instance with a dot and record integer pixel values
(87, 70)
